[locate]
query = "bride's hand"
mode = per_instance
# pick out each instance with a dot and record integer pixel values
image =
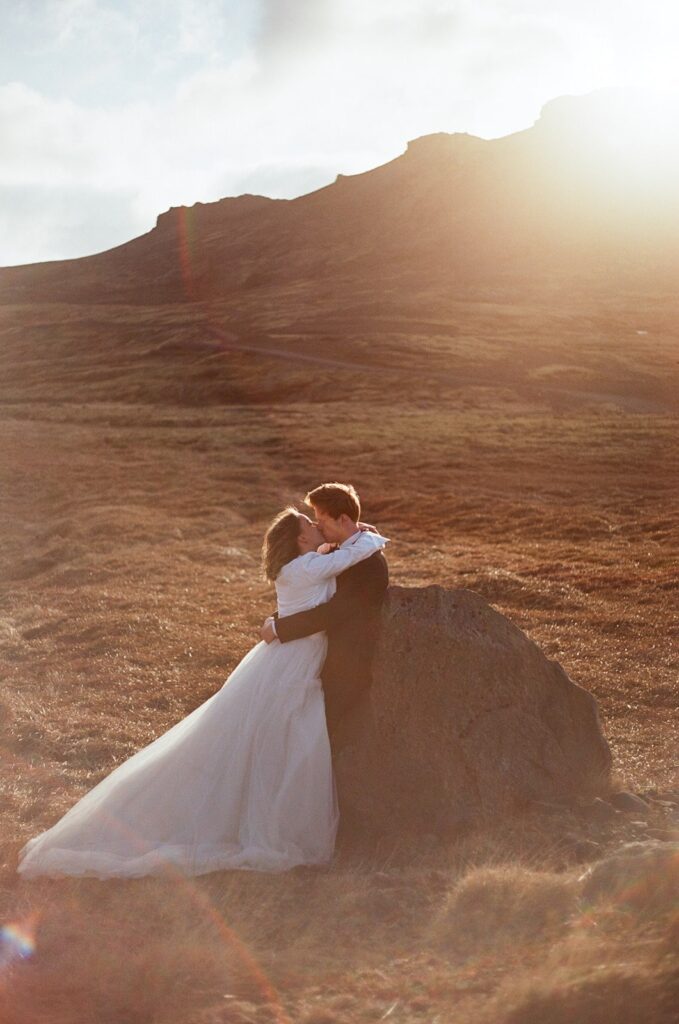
(367, 528)
(325, 549)
(268, 632)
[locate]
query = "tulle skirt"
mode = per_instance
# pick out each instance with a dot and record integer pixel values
(245, 781)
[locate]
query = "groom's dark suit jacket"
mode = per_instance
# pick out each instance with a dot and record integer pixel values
(350, 618)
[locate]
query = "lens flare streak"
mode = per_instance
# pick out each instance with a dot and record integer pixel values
(17, 941)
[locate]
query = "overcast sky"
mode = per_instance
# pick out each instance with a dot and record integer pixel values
(113, 110)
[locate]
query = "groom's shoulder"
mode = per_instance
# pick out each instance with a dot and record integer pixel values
(371, 562)
(375, 565)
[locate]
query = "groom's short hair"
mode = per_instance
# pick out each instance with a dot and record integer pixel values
(336, 500)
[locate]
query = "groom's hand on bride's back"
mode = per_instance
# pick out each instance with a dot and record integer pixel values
(268, 632)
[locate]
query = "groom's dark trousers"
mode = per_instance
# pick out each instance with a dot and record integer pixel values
(351, 619)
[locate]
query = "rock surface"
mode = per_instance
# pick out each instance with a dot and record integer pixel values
(629, 802)
(466, 719)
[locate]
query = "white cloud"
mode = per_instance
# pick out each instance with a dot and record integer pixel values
(201, 27)
(60, 143)
(89, 20)
(56, 222)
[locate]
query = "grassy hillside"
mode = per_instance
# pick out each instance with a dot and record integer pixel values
(527, 451)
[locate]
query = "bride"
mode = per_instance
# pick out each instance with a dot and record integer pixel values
(245, 780)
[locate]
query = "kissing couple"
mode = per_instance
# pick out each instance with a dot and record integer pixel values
(246, 780)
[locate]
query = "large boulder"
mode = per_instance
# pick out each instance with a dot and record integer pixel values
(466, 719)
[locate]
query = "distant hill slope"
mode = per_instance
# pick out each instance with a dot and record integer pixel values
(576, 198)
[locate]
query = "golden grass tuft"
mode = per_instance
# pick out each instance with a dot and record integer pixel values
(497, 906)
(644, 882)
(603, 995)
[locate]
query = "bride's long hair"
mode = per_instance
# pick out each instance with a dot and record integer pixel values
(280, 542)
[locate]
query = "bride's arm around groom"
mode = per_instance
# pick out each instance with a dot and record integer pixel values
(350, 619)
(351, 616)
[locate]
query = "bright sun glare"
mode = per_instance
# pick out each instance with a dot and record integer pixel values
(627, 138)
(640, 129)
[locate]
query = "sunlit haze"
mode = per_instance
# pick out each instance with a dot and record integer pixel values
(111, 111)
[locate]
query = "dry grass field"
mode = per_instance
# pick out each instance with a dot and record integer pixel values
(526, 451)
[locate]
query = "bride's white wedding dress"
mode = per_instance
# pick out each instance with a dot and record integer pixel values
(245, 781)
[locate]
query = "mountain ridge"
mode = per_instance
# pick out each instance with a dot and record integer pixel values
(452, 211)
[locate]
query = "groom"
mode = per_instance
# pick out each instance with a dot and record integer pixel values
(350, 617)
